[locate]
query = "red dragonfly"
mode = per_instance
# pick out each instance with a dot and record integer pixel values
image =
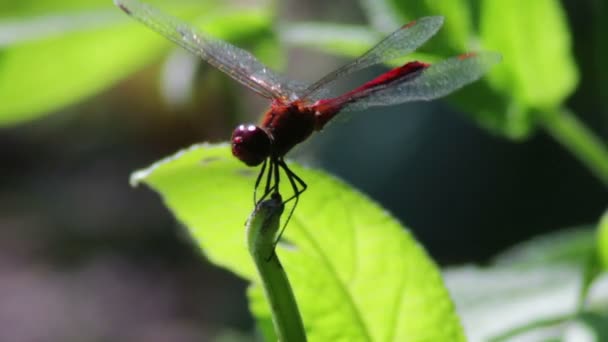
(296, 109)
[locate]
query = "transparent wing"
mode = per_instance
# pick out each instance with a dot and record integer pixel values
(399, 43)
(236, 63)
(429, 83)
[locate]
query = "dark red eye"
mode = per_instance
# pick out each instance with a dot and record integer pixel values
(250, 144)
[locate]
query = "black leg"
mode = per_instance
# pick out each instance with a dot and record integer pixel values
(293, 178)
(257, 182)
(276, 175)
(267, 187)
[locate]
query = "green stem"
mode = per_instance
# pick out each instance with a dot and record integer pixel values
(261, 231)
(579, 140)
(547, 322)
(591, 269)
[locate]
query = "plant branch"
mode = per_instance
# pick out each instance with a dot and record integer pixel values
(261, 231)
(541, 323)
(579, 140)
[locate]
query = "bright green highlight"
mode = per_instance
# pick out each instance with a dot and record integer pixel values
(455, 36)
(356, 272)
(539, 69)
(588, 148)
(40, 75)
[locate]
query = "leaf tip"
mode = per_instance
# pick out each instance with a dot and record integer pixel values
(140, 176)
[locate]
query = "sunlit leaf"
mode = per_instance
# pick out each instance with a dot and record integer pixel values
(455, 36)
(538, 69)
(38, 76)
(27, 8)
(512, 301)
(356, 273)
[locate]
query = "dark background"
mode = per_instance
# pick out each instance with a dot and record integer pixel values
(74, 235)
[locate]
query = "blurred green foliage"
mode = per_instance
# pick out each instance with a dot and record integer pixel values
(61, 52)
(568, 247)
(38, 77)
(86, 50)
(56, 53)
(53, 68)
(32, 8)
(457, 31)
(538, 70)
(525, 92)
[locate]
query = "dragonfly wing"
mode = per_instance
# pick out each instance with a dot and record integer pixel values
(235, 62)
(399, 43)
(430, 83)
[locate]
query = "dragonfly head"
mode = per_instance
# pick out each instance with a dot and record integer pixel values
(251, 144)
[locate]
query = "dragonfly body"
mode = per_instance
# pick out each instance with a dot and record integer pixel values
(297, 110)
(288, 124)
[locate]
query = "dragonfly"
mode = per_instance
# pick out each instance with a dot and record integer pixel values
(296, 109)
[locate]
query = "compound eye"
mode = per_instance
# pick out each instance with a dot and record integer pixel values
(250, 144)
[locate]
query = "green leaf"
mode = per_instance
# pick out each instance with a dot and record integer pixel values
(494, 301)
(26, 8)
(595, 325)
(573, 247)
(567, 247)
(537, 285)
(455, 36)
(357, 274)
(538, 68)
(339, 39)
(40, 76)
(45, 73)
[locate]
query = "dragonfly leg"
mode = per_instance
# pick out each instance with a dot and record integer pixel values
(293, 179)
(257, 181)
(268, 188)
(272, 180)
(276, 175)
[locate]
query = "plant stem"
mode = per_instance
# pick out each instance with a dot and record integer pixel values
(579, 140)
(547, 322)
(261, 231)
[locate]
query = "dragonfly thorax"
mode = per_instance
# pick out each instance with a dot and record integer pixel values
(251, 144)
